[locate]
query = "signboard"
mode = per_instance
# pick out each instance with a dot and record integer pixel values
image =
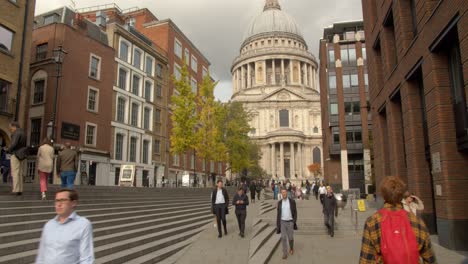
(361, 203)
(70, 131)
(127, 175)
(186, 179)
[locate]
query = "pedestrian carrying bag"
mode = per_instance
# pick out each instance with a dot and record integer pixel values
(398, 241)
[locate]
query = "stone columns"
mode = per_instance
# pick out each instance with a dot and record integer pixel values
(281, 174)
(273, 68)
(290, 72)
(306, 74)
(234, 86)
(273, 159)
(299, 72)
(301, 160)
(249, 77)
(239, 87)
(293, 162)
(242, 77)
(283, 80)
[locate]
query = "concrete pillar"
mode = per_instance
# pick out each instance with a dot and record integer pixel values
(273, 159)
(273, 68)
(299, 72)
(301, 160)
(242, 77)
(234, 86)
(239, 79)
(290, 71)
(281, 174)
(306, 74)
(249, 77)
(293, 162)
(283, 80)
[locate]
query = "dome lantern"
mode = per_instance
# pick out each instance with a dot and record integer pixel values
(272, 4)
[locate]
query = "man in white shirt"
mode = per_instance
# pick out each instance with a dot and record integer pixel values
(286, 222)
(322, 192)
(220, 203)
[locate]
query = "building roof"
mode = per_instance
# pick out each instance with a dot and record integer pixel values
(342, 27)
(271, 20)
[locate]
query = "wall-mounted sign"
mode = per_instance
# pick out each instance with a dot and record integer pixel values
(70, 131)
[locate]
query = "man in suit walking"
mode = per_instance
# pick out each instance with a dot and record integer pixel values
(286, 222)
(18, 151)
(220, 203)
(240, 201)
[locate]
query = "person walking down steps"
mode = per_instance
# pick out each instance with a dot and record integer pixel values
(220, 203)
(286, 222)
(240, 201)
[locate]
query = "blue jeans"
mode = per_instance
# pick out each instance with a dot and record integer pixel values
(68, 178)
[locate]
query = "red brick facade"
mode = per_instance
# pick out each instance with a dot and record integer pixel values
(418, 73)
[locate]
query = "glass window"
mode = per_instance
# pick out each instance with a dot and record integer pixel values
(177, 73)
(94, 67)
(4, 96)
(123, 51)
(90, 134)
(133, 149)
(357, 136)
(348, 106)
(135, 112)
(157, 116)
(121, 103)
(136, 85)
(194, 64)
(346, 81)
(146, 118)
(364, 54)
(336, 137)
(205, 71)
(6, 38)
(148, 88)
(357, 107)
(350, 35)
(331, 81)
(334, 109)
(194, 86)
(122, 78)
(366, 79)
(38, 96)
(192, 161)
(187, 57)
(352, 53)
(149, 66)
(35, 138)
(157, 146)
(145, 151)
(344, 54)
(119, 146)
(178, 48)
(331, 56)
(50, 19)
(137, 58)
(158, 90)
(284, 118)
(92, 99)
(159, 70)
(354, 80)
(41, 51)
(349, 137)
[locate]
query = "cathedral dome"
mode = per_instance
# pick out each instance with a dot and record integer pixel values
(272, 20)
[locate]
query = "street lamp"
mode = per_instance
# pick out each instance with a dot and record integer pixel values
(59, 55)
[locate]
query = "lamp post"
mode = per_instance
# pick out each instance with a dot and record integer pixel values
(59, 54)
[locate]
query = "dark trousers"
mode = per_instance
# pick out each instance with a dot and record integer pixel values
(220, 211)
(329, 219)
(322, 196)
(241, 215)
(316, 195)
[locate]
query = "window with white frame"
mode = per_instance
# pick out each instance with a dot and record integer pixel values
(136, 85)
(178, 48)
(159, 70)
(194, 85)
(133, 149)
(95, 67)
(211, 166)
(135, 114)
(121, 105)
(148, 90)
(137, 58)
(194, 64)
(158, 90)
(149, 65)
(205, 72)
(187, 57)
(220, 168)
(123, 76)
(146, 145)
(39, 89)
(93, 99)
(35, 136)
(91, 133)
(146, 118)
(123, 50)
(157, 146)
(177, 72)
(119, 143)
(6, 38)
(192, 161)
(176, 160)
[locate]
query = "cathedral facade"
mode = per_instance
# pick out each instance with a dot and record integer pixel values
(275, 77)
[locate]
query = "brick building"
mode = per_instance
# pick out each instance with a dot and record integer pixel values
(139, 100)
(167, 35)
(84, 91)
(344, 101)
(16, 25)
(418, 73)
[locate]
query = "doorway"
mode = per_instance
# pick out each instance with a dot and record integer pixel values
(92, 173)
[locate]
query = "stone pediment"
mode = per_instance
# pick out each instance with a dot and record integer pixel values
(283, 94)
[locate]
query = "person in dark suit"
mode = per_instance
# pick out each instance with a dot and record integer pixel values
(286, 220)
(330, 211)
(240, 201)
(220, 203)
(18, 151)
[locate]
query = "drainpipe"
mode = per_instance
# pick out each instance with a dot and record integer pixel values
(21, 65)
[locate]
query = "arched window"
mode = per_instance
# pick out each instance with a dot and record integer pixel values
(316, 130)
(284, 118)
(316, 154)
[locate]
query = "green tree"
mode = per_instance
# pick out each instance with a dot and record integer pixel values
(208, 137)
(184, 114)
(235, 126)
(255, 171)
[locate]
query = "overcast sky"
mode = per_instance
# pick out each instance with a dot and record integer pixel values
(217, 27)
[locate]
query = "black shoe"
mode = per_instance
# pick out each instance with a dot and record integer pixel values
(242, 235)
(225, 233)
(332, 234)
(19, 193)
(220, 236)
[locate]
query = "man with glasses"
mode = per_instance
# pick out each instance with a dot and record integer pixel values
(68, 238)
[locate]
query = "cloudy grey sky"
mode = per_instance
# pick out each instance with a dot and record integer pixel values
(217, 26)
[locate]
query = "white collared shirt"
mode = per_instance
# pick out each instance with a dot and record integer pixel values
(323, 190)
(220, 197)
(286, 214)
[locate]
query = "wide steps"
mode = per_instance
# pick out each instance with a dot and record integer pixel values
(258, 241)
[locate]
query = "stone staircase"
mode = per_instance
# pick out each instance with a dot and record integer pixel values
(131, 225)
